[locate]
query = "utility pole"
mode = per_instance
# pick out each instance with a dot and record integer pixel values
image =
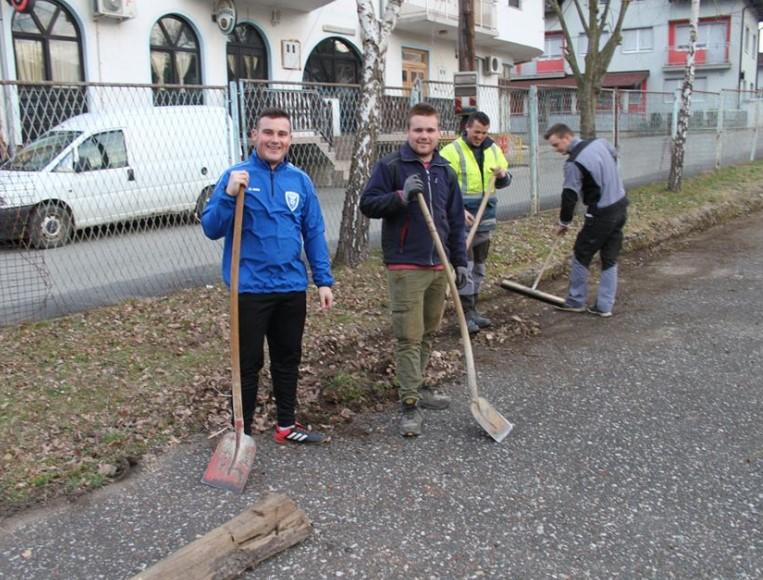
(467, 58)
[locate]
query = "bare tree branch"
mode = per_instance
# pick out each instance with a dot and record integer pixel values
(582, 17)
(603, 19)
(609, 49)
(569, 51)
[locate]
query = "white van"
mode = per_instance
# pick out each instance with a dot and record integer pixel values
(100, 168)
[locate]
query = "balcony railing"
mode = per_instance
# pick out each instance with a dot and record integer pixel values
(445, 12)
(539, 67)
(707, 54)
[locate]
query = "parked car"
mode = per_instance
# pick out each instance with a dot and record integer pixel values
(100, 168)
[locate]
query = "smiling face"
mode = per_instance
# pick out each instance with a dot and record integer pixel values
(423, 135)
(476, 133)
(272, 139)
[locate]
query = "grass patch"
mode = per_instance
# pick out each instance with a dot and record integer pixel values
(85, 395)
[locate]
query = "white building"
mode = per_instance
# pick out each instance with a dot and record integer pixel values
(181, 42)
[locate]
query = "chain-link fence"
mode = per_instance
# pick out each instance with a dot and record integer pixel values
(100, 197)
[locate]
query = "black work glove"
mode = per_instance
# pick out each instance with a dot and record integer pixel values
(461, 277)
(412, 187)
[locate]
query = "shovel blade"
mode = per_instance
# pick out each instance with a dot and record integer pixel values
(497, 426)
(231, 463)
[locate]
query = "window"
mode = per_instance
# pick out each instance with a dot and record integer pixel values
(47, 47)
(709, 35)
(638, 39)
(175, 60)
(747, 39)
(515, 4)
(47, 44)
(247, 54)
(553, 46)
(102, 151)
(583, 41)
(333, 61)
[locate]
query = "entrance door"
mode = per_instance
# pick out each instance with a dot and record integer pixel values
(415, 67)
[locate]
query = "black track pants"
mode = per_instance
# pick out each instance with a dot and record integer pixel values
(279, 317)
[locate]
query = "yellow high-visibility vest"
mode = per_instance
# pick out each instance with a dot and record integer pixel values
(461, 158)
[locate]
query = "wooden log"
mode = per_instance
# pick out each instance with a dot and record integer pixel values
(269, 526)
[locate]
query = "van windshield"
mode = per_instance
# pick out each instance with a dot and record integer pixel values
(40, 152)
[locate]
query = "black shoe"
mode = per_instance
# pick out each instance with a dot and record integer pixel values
(595, 310)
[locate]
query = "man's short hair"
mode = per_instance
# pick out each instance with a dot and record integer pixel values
(560, 130)
(423, 110)
(272, 113)
(478, 116)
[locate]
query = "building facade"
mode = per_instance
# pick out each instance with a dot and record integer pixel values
(652, 55)
(185, 42)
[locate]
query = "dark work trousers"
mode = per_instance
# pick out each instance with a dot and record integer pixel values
(281, 318)
(603, 233)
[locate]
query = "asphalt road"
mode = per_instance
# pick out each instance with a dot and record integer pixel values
(637, 453)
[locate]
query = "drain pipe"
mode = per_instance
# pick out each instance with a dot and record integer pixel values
(740, 86)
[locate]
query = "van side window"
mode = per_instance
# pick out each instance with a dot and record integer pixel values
(102, 151)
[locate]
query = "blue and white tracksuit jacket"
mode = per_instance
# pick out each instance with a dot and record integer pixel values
(281, 217)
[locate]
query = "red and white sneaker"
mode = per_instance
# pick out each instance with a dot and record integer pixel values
(296, 434)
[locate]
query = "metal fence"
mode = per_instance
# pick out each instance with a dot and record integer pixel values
(99, 200)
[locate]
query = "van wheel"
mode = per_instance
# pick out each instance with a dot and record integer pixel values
(202, 201)
(50, 226)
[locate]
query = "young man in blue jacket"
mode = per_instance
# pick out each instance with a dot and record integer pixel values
(417, 280)
(281, 217)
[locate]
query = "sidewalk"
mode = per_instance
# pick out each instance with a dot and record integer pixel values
(637, 452)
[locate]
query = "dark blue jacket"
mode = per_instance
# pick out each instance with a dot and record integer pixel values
(405, 236)
(281, 215)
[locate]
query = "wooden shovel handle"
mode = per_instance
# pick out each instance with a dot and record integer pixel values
(546, 262)
(235, 360)
(471, 373)
(480, 211)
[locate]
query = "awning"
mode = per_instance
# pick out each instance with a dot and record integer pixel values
(618, 80)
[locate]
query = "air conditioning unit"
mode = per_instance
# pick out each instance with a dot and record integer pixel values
(119, 9)
(491, 65)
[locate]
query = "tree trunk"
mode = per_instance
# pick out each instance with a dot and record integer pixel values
(675, 180)
(352, 247)
(587, 98)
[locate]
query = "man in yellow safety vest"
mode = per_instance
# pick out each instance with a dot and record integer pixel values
(476, 158)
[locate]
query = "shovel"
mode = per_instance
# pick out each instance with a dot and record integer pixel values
(497, 426)
(533, 292)
(480, 211)
(232, 460)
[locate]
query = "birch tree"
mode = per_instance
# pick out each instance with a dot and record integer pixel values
(597, 57)
(675, 181)
(352, 248)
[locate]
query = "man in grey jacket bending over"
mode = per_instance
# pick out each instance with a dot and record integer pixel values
(592, 176)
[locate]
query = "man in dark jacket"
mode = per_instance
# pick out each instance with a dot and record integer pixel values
(591, 175)
(417, 280)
